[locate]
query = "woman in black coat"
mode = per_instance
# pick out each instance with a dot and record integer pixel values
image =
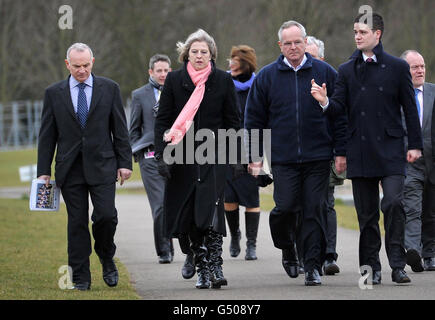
(244, 190)
(195, 182)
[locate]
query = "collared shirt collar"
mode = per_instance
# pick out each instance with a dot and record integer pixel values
(365, 57)
(299, 66)
(73, 82)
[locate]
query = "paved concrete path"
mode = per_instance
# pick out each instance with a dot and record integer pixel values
(263, 279)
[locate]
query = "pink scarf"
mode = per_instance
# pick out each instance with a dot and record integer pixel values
(185, 118)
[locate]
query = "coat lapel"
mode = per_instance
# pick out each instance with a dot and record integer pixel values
(96, 95)
(427, 106)
(65, 94)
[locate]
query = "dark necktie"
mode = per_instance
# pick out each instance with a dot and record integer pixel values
(156, 106)
(82, 105)
(417, 102)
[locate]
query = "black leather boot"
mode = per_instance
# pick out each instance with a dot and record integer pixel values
(200, 257)
(252, 220)
(232, 218)
(214, 244)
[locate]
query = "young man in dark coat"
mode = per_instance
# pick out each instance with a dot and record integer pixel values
(371, 88)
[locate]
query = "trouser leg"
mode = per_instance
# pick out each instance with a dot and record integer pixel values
(366, 198)
(428, 221)
(331, 224)
(394, 220)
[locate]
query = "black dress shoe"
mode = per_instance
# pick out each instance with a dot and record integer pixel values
(330, 267)
(82, 286)
(400, 276)
(312, 278)
(188, 270)
(290, 262)
(165, 258)
(429, 264)
(413, 259)
(110, 272)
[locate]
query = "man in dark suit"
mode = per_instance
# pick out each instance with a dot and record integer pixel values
(83, 120)
(420, 228)
(371, 88)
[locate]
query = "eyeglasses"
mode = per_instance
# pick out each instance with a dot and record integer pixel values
(291, 43)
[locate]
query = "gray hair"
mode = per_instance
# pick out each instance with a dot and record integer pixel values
(80, 47)
(159, 57)
(199, 35)
(319, 44)
(405, 53)
(289, 24)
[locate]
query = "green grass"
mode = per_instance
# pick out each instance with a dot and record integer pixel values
(33, 247)
(11, 161)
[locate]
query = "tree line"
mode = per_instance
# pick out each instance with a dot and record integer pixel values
(124, 34)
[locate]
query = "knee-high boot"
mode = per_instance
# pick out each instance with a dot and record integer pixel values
(252, 220)
(232, 218)
(214, 243)
(200, 257)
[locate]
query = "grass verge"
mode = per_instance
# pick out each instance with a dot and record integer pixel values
(33, 248)
(11, 161)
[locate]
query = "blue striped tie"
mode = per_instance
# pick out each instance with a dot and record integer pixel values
(82, 105)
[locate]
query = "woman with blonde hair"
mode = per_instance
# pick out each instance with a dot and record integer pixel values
(195, 97)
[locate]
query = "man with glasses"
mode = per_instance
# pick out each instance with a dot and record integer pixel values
(303, 143)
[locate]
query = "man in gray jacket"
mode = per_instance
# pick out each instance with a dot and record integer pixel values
(143, 108)
(419, 230)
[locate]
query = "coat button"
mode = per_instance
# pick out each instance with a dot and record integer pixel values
(383, 66)
(378, 138)
(363, 138)
(363, 113)
(381, 88)
(363, 88)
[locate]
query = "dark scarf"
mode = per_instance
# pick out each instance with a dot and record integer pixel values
(156, 85)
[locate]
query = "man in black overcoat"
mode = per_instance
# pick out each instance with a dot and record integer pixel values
(371, 88)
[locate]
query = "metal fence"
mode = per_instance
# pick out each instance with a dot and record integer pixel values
(20, 122)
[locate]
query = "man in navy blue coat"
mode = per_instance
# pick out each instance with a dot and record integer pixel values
(371, 88)
(303, 141)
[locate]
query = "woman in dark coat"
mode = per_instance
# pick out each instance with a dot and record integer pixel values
(244, 190)
(196, 97)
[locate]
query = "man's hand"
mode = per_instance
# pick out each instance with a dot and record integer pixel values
(46, 179)
(319, 92)
(255, 168)
(124, 174)
(340, 164)
(413, 155)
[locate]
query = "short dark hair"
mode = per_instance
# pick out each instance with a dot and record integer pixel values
(159, 57)
(378, 21)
